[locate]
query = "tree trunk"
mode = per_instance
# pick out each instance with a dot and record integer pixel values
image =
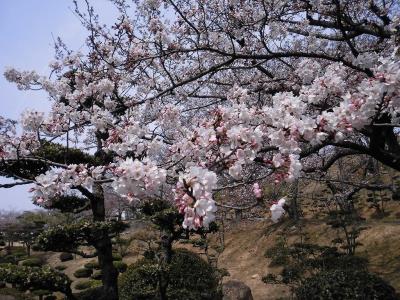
(166, 256)
(104, 248)
(109, 273)
(294, 209)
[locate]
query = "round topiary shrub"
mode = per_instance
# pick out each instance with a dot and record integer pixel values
(20, 255)
(91, 294)
(189, 278)
(66, 256)
(83, 273)
(97, 275)
(120, 266)
(345, 285)
(92, 265)
(32, 262)
(9, 259)
(83, 285)
(60, 267)
(116, 257)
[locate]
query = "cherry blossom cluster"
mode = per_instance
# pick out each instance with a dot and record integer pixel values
(57, 182)
(125, 137)
(277, 210)
(15, 146)
(194, 199)
(373, 97)
(134, 179)
(31, 120)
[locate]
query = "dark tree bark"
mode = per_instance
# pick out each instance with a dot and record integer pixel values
(104, 247)
(165, 259)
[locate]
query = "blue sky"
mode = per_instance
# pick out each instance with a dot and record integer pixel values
(27, 28)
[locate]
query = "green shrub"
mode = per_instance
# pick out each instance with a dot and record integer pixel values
(189, 277)
(345, 285)
(20, 255)
(35, 278)
(32, 262)
(92, 265)
(65, 256)
(41, 292)
(120, 266)
(60, 267)
(9, 259)
(50, 297)
(2, 243)
(116, 257)
(91, 294)
(2, 284)
(83, 273)
(97, 275)
(83, 285)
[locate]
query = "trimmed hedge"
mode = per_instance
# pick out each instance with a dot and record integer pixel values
(35, 278)
(60, 267)
(65, 256)
(83, 285)
(189, 278)
(83, 273)
(32, 262)
(92, 265)
(91, 294)
(345, 285)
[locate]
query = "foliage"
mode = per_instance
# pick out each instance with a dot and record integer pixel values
(120, 266)
(116, 257)
(351, 225)
(87, 284)
(189, 277)
(150, 208)
(32, 262)
(83, 273)
(301, 260)
(69, 203)
(69, 237)
(122, 244)
(35, 278)
(92, 265)
(60, 267)
(91, 294)
(347, 284)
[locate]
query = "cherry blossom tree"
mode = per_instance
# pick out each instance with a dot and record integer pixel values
(197, 96)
